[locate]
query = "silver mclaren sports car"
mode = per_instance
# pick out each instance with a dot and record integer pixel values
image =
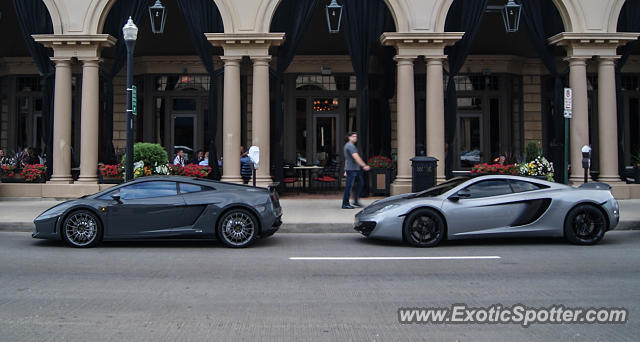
(493, 206)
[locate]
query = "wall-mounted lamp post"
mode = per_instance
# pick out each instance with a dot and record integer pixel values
(158, 16)
(334, 16)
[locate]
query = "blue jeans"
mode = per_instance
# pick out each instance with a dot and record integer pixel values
(358, 178)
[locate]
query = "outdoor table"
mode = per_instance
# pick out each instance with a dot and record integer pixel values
(306, 174)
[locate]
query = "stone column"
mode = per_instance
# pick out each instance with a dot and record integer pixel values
(607, 120)
(406, 124)
(580, 121)
(231, 122)
(261, 118)
(435, 114)
(62, 123)
(89, 122)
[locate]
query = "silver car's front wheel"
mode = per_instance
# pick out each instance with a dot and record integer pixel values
(424, 228)
(237, 228)
(81, 229)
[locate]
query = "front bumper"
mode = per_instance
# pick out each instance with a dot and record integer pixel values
(45, 228)
(387, 226)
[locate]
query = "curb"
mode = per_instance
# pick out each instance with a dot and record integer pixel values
(324, 228)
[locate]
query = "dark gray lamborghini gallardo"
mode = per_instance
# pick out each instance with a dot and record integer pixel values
(165, 207)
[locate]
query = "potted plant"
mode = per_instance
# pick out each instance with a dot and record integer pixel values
(380, 175)
(9, 174)
(496, 169)
(34, 173)
(540, 168)
(110, 174)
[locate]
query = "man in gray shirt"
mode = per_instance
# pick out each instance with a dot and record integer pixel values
(353, 167)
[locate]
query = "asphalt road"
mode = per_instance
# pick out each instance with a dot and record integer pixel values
(198, 290)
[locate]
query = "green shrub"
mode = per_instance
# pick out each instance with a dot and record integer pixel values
(532, 151)
(150, 154)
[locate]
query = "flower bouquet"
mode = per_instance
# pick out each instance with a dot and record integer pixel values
(33, 172)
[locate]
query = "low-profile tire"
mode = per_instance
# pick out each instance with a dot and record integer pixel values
(237, 228)
(585, 225)
(82, 229)
(424, 228)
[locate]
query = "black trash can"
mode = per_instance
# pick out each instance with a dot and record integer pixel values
(424, 173)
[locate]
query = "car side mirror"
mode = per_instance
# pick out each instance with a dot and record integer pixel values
(464, 193)
(116, 197)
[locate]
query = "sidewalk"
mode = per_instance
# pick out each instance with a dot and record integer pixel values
(301, 215)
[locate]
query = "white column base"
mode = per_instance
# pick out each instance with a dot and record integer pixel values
(263, 182)
(87, 180)
(236, 180)
(61, 180)
(402, 185)
(609, 179)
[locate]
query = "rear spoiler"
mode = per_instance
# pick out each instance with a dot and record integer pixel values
(595, 186)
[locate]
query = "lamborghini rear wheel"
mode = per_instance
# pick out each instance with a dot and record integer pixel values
(238, 228)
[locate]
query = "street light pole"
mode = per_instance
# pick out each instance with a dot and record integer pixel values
(130, 31)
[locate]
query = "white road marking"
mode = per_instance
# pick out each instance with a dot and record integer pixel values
(395, 258)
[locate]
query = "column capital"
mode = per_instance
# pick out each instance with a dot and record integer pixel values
(230, 60)
(245, 44)
(260, 60)
(61, 61)
(90, 60)
(612, 59)
(75, 46)
(592, 44)
(577, 60)
(420, 43)
(404, 59)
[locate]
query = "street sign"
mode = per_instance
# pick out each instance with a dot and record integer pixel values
(134, 100)
(568, 103)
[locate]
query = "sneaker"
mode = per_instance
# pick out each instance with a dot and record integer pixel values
(347, 207)
(357, 204)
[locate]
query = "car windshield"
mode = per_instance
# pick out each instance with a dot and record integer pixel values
(442, 188)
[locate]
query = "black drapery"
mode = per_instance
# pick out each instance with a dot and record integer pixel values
(292, 18)
(364, 22)
(202, 16)
(33, 18)
(464, 16)
(117, 18)
(629, 21)
(544, 21)
(383, 91)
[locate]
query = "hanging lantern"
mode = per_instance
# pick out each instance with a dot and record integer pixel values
(158, 15)
(511, 16)
(334, 16)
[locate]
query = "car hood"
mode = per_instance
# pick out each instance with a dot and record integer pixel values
(57, 209)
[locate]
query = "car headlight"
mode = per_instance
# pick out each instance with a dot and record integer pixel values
(387, 207)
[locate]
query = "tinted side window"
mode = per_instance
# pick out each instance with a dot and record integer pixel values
(522, 186)
(186, 188)
(148, 190)
(489, 188)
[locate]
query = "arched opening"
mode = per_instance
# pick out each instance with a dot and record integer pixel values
(333, 83)
(628, 88)
(176, 77)
(506, 86)
(26, 83)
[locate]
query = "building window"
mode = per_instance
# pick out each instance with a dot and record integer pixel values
(182, 83)
(326, 82)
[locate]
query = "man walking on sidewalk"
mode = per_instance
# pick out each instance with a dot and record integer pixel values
(353, 167)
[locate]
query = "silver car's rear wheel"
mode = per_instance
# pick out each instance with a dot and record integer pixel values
(238, 228)
(81, 229)
(585, 225)
(424, 228)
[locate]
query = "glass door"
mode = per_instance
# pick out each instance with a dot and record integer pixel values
(469, 140)
(183, 133)
(326, 125)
